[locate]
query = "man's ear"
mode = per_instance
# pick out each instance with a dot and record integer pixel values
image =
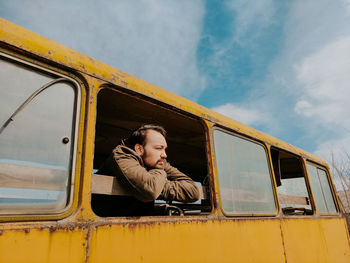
(139, 149)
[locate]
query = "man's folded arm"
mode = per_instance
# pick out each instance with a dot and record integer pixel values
(179, 187)
(145, 185)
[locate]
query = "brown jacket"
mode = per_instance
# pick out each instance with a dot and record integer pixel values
(147, 185)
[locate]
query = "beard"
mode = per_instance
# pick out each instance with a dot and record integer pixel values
(158, 164)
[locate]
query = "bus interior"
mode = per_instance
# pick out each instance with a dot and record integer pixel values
(119, 113)
(292, 188)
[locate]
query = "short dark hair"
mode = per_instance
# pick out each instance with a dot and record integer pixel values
(138, 136)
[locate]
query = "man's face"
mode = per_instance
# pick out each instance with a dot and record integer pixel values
(154, 154)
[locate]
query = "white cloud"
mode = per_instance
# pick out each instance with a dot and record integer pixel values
(347, 5)
(303, 107)
(244, 115)
(325, 80)
(152, 39)
(335, 147)
(251, 15)
(308, 87)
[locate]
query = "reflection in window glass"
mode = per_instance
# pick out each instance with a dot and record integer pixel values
(35, 164)
(244, 177)
(321, 190)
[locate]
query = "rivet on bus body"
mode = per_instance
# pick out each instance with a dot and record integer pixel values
(65, 140)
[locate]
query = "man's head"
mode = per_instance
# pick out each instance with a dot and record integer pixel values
(149, 143)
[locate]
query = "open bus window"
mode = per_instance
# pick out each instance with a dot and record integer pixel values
(36, 140)
(244, 176)
(291, 184)
(118, 114)
(321, 190)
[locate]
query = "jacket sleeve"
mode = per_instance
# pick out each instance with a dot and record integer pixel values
(145, 185)
(178, 186)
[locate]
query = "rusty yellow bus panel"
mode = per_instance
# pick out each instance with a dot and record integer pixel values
(188, 241)
(49, 244)
(310, 240)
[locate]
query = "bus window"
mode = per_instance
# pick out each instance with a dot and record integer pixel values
(118, 114)
(321, 190)
(291, 184)
(244, 176)
(36, 140)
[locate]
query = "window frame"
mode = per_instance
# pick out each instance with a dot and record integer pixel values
(73, 178)
(163, 104)
(306, 179)
(269, 165)
(330, 183)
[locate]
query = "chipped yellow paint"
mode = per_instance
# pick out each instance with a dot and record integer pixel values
(310, 240)
(35, 245)
(87, 214)
(192, 241)
(78, 235)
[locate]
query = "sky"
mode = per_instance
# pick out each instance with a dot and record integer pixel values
(282, 67)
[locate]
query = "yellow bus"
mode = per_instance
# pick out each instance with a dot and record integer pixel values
(61, 114)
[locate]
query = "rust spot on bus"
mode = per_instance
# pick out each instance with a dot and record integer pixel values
(87, 238)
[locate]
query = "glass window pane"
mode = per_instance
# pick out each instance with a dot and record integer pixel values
(35, 164)
(244, 176)
(326, 190)
(321, 190)
(316, 188)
